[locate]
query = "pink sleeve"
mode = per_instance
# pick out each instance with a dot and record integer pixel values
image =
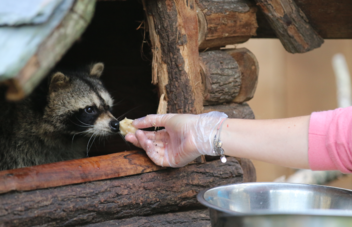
(330, 140)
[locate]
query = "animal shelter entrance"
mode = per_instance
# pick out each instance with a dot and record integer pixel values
(159, 56)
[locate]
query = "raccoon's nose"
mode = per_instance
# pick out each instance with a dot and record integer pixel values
(114, 125)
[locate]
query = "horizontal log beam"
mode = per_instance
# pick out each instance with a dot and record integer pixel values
(330, 19)
(76, 171)
(225, 22)
(158, 192)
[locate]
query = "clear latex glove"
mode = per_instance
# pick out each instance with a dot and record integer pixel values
(184, 138)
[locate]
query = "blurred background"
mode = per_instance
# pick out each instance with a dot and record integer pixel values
(292, 85)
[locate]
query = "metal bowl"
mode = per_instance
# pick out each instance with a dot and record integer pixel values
(278, 204)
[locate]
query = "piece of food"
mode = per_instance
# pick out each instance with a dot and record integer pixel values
(126, 127)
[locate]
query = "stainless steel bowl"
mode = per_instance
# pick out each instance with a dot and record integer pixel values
(278, 204)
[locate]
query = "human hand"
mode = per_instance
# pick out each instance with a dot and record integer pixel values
(184, 138)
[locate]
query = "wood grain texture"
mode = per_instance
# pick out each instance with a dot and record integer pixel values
(290, 25)
(194, 218)
(221, 77)
(249, 68)
(249, 173)
(151, 193)
(330, 19)
(225, 22)
(228, 76)
(173, 29)
(76, 171)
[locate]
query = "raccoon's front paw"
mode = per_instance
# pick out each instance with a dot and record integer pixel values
(127, 127)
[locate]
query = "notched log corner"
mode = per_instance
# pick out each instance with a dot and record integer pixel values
(221, 77)
(228, 76)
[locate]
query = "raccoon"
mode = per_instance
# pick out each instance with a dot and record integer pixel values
(57, 120)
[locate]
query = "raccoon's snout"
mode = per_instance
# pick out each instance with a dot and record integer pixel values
(114, 125)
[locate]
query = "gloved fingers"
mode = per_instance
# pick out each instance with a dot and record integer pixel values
(155, 153)
(152, 120)
(131, 137)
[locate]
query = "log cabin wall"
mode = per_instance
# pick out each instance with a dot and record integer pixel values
(102, 189)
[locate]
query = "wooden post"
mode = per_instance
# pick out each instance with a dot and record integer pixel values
(173, 29)
(290, 25)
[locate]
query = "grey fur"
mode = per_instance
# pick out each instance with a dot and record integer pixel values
(48, 127)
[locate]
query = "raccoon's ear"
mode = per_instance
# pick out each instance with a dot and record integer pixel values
(58, 80)
(96, 69)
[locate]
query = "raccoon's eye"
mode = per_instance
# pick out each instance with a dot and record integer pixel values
(90, 109)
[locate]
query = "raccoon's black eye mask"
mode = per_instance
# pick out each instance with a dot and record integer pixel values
(84, 119)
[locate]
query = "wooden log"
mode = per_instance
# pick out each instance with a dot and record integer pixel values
(225, 22)
(290, 25)
(173, 30)
(249, 174)
(330, 19)
(93, 202)
(221, 77)
(76, 171)
(249, 68)
(233, 110)
(228, 76)
(193, 218)
(50, 51)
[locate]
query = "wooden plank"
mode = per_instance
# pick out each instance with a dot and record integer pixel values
(76, 171)
(50, 51)
(330, 19)
(165, 191)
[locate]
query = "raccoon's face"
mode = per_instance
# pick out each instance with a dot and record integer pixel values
(78, 103)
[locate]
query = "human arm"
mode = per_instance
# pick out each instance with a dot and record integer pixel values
(282, 141)
(279, 141)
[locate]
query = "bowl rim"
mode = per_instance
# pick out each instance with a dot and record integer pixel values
(308, 212)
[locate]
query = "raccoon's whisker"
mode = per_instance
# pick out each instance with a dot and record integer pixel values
(88, 143)
(83, 122)
(114, 104)
(83, 126)
(128, 112)
(92, 142)
(73, 137)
